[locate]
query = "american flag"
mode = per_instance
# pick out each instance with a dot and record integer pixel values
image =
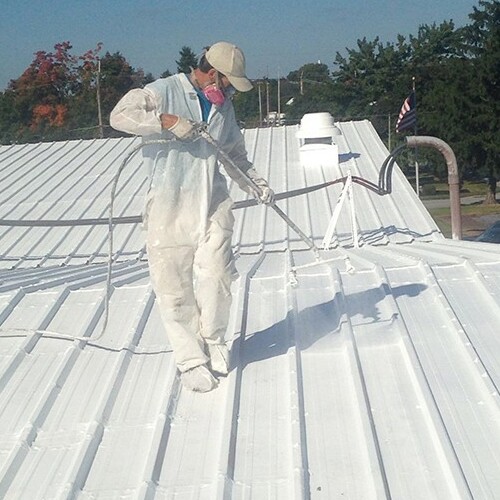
(408, 114)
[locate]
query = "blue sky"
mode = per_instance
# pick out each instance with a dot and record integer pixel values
(277, 36)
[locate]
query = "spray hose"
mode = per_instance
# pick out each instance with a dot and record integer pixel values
(201, 132)
(384, 187)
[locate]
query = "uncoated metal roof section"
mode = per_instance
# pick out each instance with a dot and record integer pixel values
(375, 376)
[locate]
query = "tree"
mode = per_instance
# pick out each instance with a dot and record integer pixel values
(434, 59)
(187, 60)
(83, 112)
(246, 106)
(371, 82)
(56, 96)
(483, 46)
(312, 91)
(118, 77)
(42, 92)
(9, 117)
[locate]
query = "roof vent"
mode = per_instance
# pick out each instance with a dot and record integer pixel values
(317, 125)
(317, 147)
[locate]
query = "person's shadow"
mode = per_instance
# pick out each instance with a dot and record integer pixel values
(316, 323)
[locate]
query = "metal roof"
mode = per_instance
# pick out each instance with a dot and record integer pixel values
(374, 376)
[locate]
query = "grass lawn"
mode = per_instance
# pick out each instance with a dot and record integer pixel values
(475, 218)
(469, 188)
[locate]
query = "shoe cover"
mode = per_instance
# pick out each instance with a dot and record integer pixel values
(219, 358)
(198, 379)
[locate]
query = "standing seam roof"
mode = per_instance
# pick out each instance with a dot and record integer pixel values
(375, 376)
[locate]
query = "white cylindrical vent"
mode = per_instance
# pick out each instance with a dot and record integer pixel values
(317, 126)
(317, 145)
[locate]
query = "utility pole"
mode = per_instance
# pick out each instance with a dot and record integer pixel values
(260, 103)
(279, 99)
(98, 89)
(267, 101)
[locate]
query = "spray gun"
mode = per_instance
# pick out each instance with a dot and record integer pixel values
(230, 165)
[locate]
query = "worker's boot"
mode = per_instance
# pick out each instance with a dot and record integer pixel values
(219, 358)
(198, 379)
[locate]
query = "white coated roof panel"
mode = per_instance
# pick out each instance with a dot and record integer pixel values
(376, 376)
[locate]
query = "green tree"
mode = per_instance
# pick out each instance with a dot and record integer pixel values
(9, 117)
(458, 72)
(434, 59)
(483, 46)
(373, 80)
(310, 89)
(370, 81)
(187, 60)
(116, 78)
(246, 107)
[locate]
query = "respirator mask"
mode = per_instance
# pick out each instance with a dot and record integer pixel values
(217, 95)
(214, 94)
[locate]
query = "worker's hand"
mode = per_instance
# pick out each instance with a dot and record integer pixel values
(266, 196)
(263, 193)
(182, 129)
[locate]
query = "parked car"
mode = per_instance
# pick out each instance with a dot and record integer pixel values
(491, 234)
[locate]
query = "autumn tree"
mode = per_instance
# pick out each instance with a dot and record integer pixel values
(56, 96)
(41, 93)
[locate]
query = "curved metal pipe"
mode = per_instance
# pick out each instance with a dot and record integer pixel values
(453, 178)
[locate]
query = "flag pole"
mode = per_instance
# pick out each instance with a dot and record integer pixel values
(389, 126)
(417, 173)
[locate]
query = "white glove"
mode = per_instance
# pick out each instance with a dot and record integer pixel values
(266, 194)
(184, 129)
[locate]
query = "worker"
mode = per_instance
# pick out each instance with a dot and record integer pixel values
(187, 215)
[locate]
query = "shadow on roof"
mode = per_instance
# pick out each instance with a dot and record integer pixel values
(327, 319)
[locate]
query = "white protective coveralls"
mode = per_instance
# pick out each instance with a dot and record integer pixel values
(188, 214)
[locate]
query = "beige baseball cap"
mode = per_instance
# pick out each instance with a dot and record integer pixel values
(230, 61)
